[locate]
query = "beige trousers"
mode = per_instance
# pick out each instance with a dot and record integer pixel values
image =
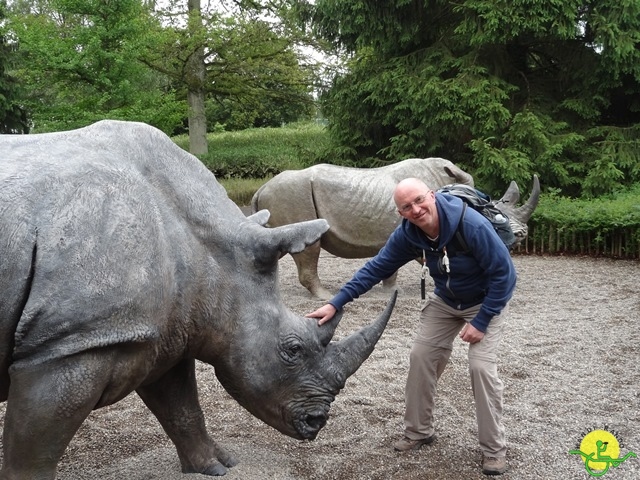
(439, 326)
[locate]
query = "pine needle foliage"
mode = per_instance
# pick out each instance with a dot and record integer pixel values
(13, 118)
(504, 88)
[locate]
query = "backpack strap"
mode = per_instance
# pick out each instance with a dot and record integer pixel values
(459, 235)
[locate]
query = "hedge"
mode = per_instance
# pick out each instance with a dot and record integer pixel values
(605, 226)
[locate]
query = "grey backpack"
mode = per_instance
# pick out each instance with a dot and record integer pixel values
(482, 203)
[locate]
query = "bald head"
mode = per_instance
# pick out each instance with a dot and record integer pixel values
(416, 202)
(408, 187)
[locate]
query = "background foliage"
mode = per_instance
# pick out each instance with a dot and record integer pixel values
(13, 118)
(264, 152)
(503, 88)
(81, 60)
(254, 76)
(608, 225)
(78, 63)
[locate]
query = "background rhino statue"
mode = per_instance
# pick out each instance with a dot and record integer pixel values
(358, 204)
(122, 261)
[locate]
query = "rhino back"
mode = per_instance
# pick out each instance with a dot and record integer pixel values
(103, 225)
(358, 203)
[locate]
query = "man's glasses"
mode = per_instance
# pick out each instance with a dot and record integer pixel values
(409, 206)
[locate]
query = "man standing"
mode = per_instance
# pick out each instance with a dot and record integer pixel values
(474, 281)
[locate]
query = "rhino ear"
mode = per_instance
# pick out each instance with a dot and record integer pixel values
(261, 217)
(512, 195)
(273, 243)
(458, 175)
(295, 237)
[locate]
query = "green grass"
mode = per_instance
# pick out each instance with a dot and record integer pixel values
(240, 190)
(242, 161)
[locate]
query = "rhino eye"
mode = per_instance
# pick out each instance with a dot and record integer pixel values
(290, 350)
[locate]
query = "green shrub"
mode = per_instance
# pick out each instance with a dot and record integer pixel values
(243, 160)
(608, 225)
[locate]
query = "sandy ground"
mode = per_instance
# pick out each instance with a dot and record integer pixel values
(570, 363)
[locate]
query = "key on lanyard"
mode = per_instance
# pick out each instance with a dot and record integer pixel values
(423, 275)
(445, 260)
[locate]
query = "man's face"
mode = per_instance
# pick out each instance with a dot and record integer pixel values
(417, 204)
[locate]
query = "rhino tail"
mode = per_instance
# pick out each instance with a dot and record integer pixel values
(256, 199)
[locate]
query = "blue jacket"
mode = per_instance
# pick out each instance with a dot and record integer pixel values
(483, 274)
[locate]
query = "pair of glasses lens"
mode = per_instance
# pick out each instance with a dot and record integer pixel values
(418, 200)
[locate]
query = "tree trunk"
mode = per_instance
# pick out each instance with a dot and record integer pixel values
(195, 84)
(197, 123)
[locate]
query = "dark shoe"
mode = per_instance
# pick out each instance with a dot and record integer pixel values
(494, 465)
(405, 444)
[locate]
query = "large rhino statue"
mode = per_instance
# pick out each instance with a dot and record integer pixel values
(122, 261)
(358, 204)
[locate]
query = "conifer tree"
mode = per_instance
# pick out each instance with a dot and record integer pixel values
(504, 88)
(13, 118)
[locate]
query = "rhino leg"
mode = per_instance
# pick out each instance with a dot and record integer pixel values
(46, 405)
(307, 265)
(173, 399)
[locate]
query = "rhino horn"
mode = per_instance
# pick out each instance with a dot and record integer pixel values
(523, 213)
(343, 358)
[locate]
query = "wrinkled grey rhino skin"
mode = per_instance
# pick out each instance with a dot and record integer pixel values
(358, 204)
(122, 260)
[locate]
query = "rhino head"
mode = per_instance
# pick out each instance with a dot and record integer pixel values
(519, 216)
(284, 368)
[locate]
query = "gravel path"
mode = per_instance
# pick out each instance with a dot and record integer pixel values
(570, 363)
